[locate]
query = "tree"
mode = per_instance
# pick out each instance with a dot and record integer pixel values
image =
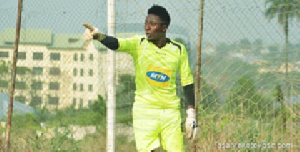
(279, 95)
(223, 49)
(210, 97)
(245, 100)
(285, 10)
(258, 45)
(245, 44)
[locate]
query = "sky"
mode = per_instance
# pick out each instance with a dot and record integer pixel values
(226, 21)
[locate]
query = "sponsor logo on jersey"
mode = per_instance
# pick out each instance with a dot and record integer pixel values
(158, 76)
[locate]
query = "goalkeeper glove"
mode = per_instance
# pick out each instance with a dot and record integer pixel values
(191, 125)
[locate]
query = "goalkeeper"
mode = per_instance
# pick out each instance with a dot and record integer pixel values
(157, 59)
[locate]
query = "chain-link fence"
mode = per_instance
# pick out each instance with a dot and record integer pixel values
(250, 72)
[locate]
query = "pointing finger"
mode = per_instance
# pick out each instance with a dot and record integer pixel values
(88, 26)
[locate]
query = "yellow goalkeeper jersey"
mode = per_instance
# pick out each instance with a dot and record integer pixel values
(155, 71)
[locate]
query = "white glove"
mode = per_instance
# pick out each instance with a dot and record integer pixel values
(89, 32)
(191, 125)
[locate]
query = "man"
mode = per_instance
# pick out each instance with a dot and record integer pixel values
(157, 59)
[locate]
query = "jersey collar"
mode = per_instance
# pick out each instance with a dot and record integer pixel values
(168, 41)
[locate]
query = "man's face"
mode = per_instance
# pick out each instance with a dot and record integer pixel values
(154, 28)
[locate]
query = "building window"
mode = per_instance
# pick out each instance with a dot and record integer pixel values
(74, 101)
(81, 103)
(54, 71)
(20, 85)
(81, 87)
(4, 54)
(37, 56)
(81, 57)
(3, 84)
(53, 100)
(90, 103)
(74, 72)
(37, 70)
(91, 57)
(22, 70)
(22, 55)
(4, 68)
(90, 87)
(37, 85)
(35, 100)
(54, 86)
(81, 72)
(91, 72)
(74, 86)
(20, 98)
(54, 56)
(73, 40)
(75, 57)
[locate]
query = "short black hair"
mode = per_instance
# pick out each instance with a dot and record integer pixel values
(161, 12)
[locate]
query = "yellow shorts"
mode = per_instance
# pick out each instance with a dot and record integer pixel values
(150, 123)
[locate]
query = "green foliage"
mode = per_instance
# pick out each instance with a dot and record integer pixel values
(267, 81)
(3, 83)
(61, 142)
(296, 107)
(245, 44)
(244, 99)
(283, 10)
(65, 117)
(99, 106)
(3, 68)
(25, 121)
(224, 49)
(224, 72)
(30, 141)
(257, 45)
(24, 127)
(246, 132)
(207, 123)
(22, 70)
(210, 97)
(43, 114)
(125, 98)
(226, 127)
(126, 84)
(82, 116)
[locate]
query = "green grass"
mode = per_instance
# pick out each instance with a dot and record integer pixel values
(217, 124)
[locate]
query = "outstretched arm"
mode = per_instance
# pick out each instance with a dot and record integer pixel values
(109, 41)
(93, 33)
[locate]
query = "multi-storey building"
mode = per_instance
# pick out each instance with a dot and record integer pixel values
(54, 70)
